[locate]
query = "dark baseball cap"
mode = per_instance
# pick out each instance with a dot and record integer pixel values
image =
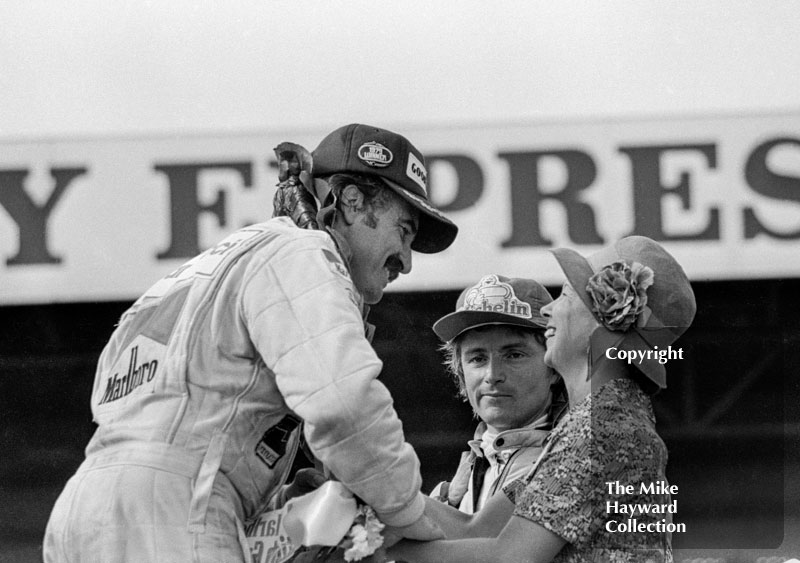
(365, 149)
(496, 300)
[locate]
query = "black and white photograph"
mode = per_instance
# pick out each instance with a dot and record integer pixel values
(411, 282)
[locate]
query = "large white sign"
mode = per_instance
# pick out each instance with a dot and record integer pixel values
(103, 219)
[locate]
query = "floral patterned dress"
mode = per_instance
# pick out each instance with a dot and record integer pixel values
(609, 437)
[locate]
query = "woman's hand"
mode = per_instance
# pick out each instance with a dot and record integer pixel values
(485, 523)
(424, 529)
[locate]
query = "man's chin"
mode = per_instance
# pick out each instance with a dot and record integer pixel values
(371, 297)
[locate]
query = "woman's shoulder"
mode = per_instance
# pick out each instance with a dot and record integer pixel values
(618, 417)
(621, 414)
(622, 399)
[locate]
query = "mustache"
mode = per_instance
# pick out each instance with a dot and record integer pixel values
(395, 266)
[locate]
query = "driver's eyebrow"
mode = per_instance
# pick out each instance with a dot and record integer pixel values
(473, 349)
(518, 343)
(480, 348)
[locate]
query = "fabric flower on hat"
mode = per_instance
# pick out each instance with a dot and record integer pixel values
(619, 293)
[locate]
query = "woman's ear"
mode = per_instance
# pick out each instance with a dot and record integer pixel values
(352, 203)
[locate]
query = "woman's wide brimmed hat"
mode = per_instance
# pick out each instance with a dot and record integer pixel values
(668, 310)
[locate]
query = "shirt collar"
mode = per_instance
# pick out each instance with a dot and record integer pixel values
(508, 441)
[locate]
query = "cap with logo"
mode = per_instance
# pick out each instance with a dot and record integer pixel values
(371, 150)
(496, 300)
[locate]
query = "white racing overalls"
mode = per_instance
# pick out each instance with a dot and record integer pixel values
(199, 397)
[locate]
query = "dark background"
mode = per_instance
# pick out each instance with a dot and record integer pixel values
(730, 416)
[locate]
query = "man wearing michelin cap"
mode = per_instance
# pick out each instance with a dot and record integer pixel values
(494, 347)
(209, 379)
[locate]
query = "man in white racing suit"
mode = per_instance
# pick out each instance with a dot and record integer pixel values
(204, 387)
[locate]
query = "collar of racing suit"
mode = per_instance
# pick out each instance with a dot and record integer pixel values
(508, 441)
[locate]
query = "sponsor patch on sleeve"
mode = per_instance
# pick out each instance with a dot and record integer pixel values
(135, 372)
(272, 446)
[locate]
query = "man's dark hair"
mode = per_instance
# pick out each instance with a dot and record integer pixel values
(377, 194)
(375, 190)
